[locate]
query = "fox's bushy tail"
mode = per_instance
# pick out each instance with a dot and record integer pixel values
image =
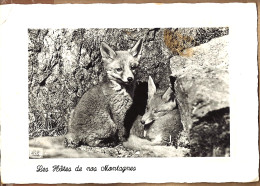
(136, 143)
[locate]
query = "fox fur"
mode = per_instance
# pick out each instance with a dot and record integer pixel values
(98, 118)
(161, 125)
(162, 122)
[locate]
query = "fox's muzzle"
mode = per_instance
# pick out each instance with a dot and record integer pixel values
(147, 121)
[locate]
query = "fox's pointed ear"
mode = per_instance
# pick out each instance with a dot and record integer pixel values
(151, 88)
(137, 49)
(106, 51)
(168, 95)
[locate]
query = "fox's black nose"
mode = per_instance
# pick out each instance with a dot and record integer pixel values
(143, 122)
(129, 79)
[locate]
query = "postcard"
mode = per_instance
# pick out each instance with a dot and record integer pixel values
(129, 93)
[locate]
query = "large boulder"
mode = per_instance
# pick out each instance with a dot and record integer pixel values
(202, 93)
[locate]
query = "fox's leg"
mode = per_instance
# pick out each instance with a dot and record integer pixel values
(121, 132)
(120, 128)
(100, 136)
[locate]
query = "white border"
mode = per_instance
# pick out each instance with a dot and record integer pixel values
(242, 166)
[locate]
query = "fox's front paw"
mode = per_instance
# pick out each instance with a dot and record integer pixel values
(122, 135)
(71, 143)
(122, 138)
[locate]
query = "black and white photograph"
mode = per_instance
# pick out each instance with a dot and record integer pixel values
(132, 92)
(129, 93)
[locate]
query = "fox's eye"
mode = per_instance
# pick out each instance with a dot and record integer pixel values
(157, 111)
(133, 67)
(119, 69)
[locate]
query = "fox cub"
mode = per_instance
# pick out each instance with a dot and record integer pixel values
(161, 121)
(98, 118)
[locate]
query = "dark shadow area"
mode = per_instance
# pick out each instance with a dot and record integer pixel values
(172, 81)
(138, 106)
(210, 136)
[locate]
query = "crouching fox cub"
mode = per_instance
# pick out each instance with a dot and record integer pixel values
(161, 125)
(162, 122)
(98, 118)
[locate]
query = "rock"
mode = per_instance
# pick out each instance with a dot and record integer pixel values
(202, 93)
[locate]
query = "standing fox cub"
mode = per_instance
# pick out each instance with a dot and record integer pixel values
(98, 119)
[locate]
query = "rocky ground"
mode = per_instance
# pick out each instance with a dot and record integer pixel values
(118, 151)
